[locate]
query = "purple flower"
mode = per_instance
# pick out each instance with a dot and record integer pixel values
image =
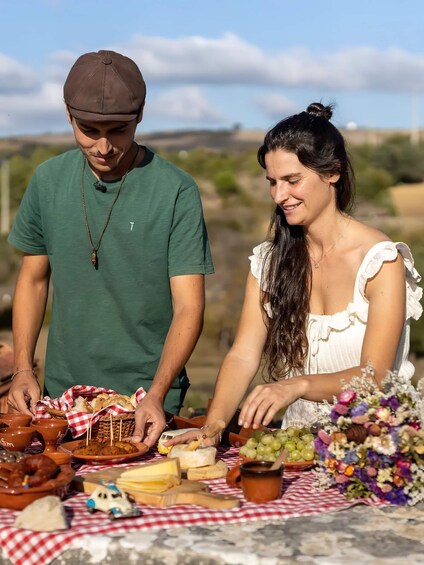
(360, 409)
(351, 457)
(392, 402)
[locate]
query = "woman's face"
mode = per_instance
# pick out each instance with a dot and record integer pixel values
(300, 192)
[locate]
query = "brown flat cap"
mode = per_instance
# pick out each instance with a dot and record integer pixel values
(104, 86)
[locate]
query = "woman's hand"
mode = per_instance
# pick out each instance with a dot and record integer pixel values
(197, 435)
(265, 401)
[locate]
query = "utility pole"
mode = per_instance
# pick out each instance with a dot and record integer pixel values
(5, 198)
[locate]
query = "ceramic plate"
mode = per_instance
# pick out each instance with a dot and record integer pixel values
(70, 446)
(19, 498)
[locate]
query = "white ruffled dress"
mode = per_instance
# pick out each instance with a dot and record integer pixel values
(335, 341)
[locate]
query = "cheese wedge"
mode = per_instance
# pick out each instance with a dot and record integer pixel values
(200, 457)
(157, 470)
(149, 483)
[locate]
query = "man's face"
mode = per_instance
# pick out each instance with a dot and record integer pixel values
(106, 145)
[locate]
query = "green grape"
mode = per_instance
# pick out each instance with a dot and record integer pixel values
(300, 445)
(243, 450)
(266, 445)
(260, 448)
(252, 442)
(290, 445)
(276, 444)
(295, 455)
(281, 435)
(266, 439)
(308, 454)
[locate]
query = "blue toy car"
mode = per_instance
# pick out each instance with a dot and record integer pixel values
(109, 498)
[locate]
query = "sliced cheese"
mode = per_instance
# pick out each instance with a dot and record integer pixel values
(157, 470)
(149, 484)
(200, 457)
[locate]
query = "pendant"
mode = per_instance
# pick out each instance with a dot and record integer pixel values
(94, 258)
(316, 265)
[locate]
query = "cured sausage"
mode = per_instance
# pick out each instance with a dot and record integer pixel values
(32, 471)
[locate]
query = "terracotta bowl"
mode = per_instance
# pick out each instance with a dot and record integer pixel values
(15, 419)
(19, 498)
(16, 439)
(60, 457)
(52, 430)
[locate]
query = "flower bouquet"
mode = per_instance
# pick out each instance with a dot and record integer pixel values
(371, 440)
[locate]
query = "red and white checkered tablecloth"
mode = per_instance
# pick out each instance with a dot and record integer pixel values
(300, 498)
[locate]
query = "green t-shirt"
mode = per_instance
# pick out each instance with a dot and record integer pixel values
(108, 326)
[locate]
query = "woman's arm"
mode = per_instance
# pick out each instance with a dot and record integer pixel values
(240, 364)
(243, 359)
(386, 294)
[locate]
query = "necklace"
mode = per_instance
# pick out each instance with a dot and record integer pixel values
(316, 264)
(95, 248)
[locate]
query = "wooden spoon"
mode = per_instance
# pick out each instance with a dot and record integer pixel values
(281, 459)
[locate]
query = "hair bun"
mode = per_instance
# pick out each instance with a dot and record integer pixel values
(318, 109)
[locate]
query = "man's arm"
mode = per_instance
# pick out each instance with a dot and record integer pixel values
(29, 306)
(188, 297)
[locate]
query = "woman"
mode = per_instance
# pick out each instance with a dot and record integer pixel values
(325, 294)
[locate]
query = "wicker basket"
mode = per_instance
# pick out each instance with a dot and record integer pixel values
(121, 425)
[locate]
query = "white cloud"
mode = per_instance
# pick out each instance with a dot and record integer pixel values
(230, 60)
(276, 106)
(39, 109)
(32, 99)
(185, 104)
(14, 77)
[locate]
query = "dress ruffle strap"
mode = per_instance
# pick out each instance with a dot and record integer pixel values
(387, 251)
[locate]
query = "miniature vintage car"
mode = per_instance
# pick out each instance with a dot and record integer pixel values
(169, 434)
(109, 498)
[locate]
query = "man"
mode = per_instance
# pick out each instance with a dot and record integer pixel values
(120, 232)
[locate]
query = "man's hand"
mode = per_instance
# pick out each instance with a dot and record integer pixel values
(149, 421)
(23, 391)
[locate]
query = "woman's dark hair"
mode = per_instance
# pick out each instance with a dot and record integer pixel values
(319, 146)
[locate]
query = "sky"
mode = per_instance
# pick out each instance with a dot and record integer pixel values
(216, 64)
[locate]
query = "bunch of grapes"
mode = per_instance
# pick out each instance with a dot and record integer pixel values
(266, 445)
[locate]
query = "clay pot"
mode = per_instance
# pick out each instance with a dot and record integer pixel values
(52, 430)
(16, 439)
(60, 457)
(15, 419)
(259, 483)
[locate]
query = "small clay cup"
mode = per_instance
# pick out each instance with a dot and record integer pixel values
(60, 457)
(16, 439)
(52, 430)
(259, 483)
(15, 419)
